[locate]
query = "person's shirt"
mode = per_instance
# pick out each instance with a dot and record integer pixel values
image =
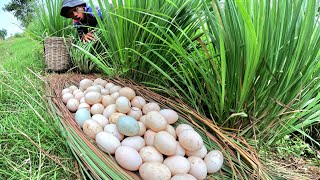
(89, 20)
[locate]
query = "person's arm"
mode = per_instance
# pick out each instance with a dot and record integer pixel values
(83, 32)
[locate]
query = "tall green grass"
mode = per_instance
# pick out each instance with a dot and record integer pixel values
(254, 66)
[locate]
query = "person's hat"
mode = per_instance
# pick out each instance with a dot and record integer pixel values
(66, 4)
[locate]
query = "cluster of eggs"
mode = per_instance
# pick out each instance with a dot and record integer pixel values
(138, 133)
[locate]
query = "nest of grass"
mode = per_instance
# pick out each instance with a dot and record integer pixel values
(240, 159)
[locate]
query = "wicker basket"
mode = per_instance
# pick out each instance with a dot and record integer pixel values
(57, 56)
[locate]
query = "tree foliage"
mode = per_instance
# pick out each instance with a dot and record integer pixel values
(21, 9)
(3, 33)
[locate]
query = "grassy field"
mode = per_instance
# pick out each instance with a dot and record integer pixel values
(31, 146)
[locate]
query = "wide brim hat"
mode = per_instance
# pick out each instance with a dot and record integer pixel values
(67, 4)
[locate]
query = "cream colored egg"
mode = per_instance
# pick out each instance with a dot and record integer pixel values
(183, 177)
(190, 140)
(79, 95)
(155, 121)
(104, 92)
(91, 128)
(109, 110)
(73, 104)
(123, 104)
(107, 142)
(66, 90)
(177, 164)
(138, 102)
(84, 105)
(73, 88)
(92, 98)
(66, 97)
(93, 89)
(82, 100)
(142, 128)
(149, 137)
(103, 83)
(102, 120)
(165, 143)
(143, 120)
(150, 154)
(136, 142)
(198, 167)
(85, 83)
(127, 92)
(200, 153)
(154, 170)
(101, 87)
(114, 89)
(152, 106)
(171, 131)
(113, 118)
(135, 113)
(109, 86)
(180, 151)
(128, 158)
(97, 80)
(170, 115)
(182, 127)
(112, 129)
(214, 161)
(97, 109)
(115, 95)
(107, 100)
(76, 91)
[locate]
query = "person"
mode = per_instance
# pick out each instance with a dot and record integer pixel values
(83, 17)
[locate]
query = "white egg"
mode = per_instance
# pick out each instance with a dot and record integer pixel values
(92, 98)
(109, 86)
(66, 90)
(136, 142)
(165, 143)
(115, 95)
(171, 131)
(91, 128)
(97, 109)
(85, 83)
(149, 137)
(198, 167)
(84, 105)
(113, 118)
(138, 102)
(200, 153)
(128, 158)
(104, 92)
(180, 151)
(177, 164)
(102, 120)
(123, 104)
(152, 106)
(112, 129)
(73, 88)
(73, 104)
(109, 110)
(127, 92)
(190, 140)
(142, 129)
(93, 89)
(76, 91)
(170, 115)
(81, 116)
(214, 161)
(114, 89)
(150, 154)
(182, 127)
(66, 97)
(107, 142)
(79, 95)
(135, 113)
(143, 120)
(154, 170)
(107, 100)
(82, 100)
(155, 121)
